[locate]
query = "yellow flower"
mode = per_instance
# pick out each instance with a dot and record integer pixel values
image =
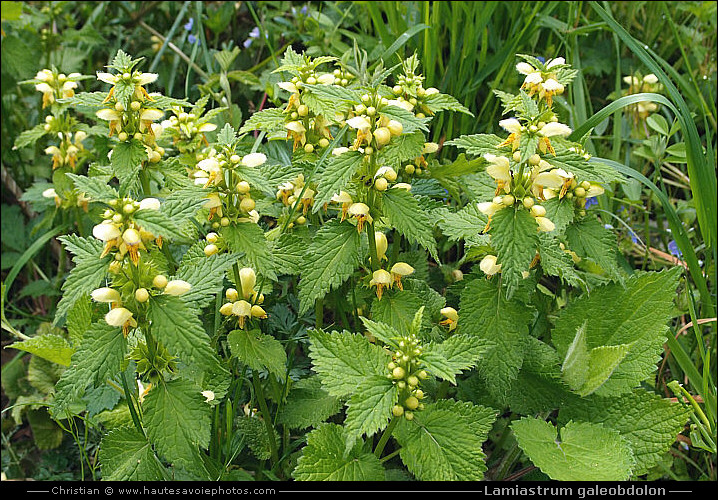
(296, 131)
(500, 171)
(400, 269)
(177, 287)
(248, 280)
(452, 317)
(360, 212)
(380, 279)
(242, 309)
(489, 266)
(345, 199)
(120, 316)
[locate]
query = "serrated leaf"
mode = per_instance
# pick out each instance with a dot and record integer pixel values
(583, 452)
(81, 248)
(514, 236)
(369, 408)
(344, 360)
(639, 311)
(205, 274)
(560, 212)
(289, 252)
(331, 259)
(43, 374)
(590, 240)
(556, 262)
(87, 275)
(386, 333)
(443, 441)
(48, 346)
(593, 171)
(308, 405)
(406, 216)
(258, 351)
(177, 420)
(323, 458)
(465, 223)
(336, 175)
(487, 314)
(448, 175)
(95, 188)
(126, 160)
(407, 119)
(440, 102)
(30, 136)
(397, 309)
(248, 238)
(176, 325)
(126, 455)
(455, 354)
(402, 148)
(477, 144)
(649, 422)
(157, 223)
(268, 120)
(46, 433)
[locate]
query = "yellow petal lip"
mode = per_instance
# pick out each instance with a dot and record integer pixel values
(118, 316)
(402, 269)
(107, 78)
(177, 287)
(108, 114)
(380, 277)
(489, 266)
(254, 159)
(106, 295)
(450, 313)
(511, 125)
(106, 231)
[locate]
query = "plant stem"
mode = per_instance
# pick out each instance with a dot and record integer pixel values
(259, 391)
(385, 437)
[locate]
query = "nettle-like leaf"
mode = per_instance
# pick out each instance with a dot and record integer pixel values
(462, 224)
(248, 238)
(258, 351)
(159, 224)
(397, 309)
(268, 120)
(582, 452)
(126, 160)
(95, 188)
(639, 311)
(406, 216)
(402, 148)
(126, 455)
(175, 324)
(514, 236)
(441, 102)
(30, 136)
(336, 175)
(443, 441)
(486, 313)
(455, 354)
(649, 422)
(344, 361)
(369, 408)
(289, 251)
(177, 420)
(477, 144)
(557, 262)
(308, 404)
(323, 458)
(584, 170)
(331, 258)
(449, 176)
(591, 240)
(205, 274)
(48, 346)
(561, 212)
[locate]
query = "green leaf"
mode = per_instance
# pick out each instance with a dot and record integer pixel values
(159, 224)
(458, 352)
(323, 458)
(176, 325)
(400, 149)
(177, 420)
(440, 102)
(443, 441)
(345, 360)
(205, 274)
(258, 351)
(487, 314)
(46, 433)
(386, 333)
(226, 136)
(308, 405)
(406, 216)
(556, 262)
(87, 275)
(590, 240)
(407, 119)
(448, 175)
(248, 238)
(336, 175)
(514, 236)
(330, 260)
(369, 408)
(93, 187)
(30, 136)
(649, 422)
(289, 252)
(126, 455)
(396, 309)
(48, 346)
(126, 160)
(585, 170)
(584, 370)
(477, 144)
(81, 248)
(583, 452)
(267, 120)
(560, 212)
(465, 223)
(639, 311)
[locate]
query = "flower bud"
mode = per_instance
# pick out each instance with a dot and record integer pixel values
(257, 312)
(538, 211)
(210, 249)
(160, 281)
(248, 279)
(142, 295)
(105, 294)
(243, 187)
(226, 309)
(381, 184)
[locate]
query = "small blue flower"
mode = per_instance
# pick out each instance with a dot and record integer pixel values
(189, 24)
(591, 201)
(673, 248)
(608, 226)
(193, 39)
(304, 10)
(247, 43)
(254, 33)
(634, 237)
(541, 58)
